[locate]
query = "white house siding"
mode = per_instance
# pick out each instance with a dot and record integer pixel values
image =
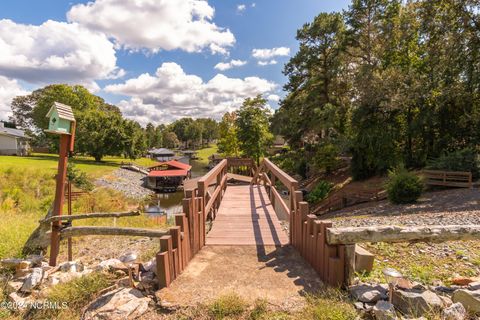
(8, 145)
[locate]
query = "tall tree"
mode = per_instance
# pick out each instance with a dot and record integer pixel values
(253, 123)
(228, 141)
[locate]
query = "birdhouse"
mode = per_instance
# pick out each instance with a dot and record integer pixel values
(61, 119)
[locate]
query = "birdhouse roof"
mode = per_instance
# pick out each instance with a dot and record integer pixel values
(64, 111)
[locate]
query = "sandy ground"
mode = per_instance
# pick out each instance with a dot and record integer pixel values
(277, 274)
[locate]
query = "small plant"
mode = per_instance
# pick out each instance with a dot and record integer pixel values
(78, 178)
(332, 304)
(260, 309)
(227, 306)
(319, 192)
(403, 186)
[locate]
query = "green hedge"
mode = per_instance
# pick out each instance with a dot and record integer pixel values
(403, 186)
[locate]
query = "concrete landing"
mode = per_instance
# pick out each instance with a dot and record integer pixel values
(277, 274)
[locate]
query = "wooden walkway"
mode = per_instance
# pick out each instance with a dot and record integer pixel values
(246, 217)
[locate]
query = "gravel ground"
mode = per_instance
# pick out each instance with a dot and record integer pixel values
(128, 182)
(446, 207)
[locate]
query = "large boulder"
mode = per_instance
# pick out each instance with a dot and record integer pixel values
(469, 299)
(455, 312)
(33, 280)
(119, 304)
(416, 303)
(111, 265)
(368, 293)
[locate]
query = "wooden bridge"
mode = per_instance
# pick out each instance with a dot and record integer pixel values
(238, 204)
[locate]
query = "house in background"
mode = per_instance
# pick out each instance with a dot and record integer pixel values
(13, 142)
(162, 154)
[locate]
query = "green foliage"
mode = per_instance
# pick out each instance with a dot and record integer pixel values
(460, 160)
(253, 124)
(170, 139)
(332, 304)
(403, 186)
(71, 297)
(227, 306)
(374, 76)
(326, 157)
(319, 192)
(228, 143)
(78, 178)
(293, 163)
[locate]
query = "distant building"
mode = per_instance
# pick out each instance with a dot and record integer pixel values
(168, 176)
(162, 154)
(13, 142)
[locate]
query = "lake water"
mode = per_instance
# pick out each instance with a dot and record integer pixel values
(171, 203)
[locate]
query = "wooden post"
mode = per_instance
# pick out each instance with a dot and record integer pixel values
(69, 239)
(59, 197)
(349, 264)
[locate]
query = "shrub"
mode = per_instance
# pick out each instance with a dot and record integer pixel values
(320, 192)
(78, 178)
(227, 306)
(460, 160)
(326, 157)
(403, 186)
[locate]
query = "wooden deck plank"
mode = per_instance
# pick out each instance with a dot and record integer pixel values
(246, 217)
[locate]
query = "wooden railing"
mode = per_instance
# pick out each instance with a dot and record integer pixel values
(448, 178)
(242, 166)
(307, 232)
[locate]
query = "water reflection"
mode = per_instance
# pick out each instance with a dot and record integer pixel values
(163, 206)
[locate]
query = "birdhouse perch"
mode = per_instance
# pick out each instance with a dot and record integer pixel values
(61, 119)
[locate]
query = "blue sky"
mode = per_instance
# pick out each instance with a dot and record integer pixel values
(89, 45)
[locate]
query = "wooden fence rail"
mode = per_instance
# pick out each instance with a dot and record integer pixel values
(448, 178)
(352, 235)
(307, 233)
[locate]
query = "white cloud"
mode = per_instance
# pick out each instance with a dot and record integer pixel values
(266, 54)
(241, 8)
(267, 63)
(273, 97)
(55, 52)
(222, 66)
(170, 94)
(9, 89)
(253, 5)
(155, 25)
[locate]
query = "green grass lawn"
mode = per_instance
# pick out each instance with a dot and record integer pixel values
(204, 153)
(50, 161)
(27, 188)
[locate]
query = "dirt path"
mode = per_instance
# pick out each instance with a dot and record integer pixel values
(278, 275)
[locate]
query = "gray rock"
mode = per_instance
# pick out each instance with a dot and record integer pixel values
(416, 303)
(128, 257)
(474, 286)
(455, 312)
(72, 266)
(359, 305)
(33, 280)
(151, 265)
(110, 264)
(384, 310)
(122, 303)
(469, 299)
(368, 293)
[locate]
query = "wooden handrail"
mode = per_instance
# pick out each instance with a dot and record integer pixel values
(213, 198)
(90, 215)
(112, 231)
(205, 181)
(288, 181)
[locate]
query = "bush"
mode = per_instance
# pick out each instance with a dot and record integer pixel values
(460, 160)
(227, 306)
(326, 157)
(320, 192)
(403, 186)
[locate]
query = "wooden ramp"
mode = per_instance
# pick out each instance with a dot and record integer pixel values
(246, 217)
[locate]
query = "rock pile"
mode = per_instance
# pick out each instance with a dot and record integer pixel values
(130, 183)
(415, 301)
